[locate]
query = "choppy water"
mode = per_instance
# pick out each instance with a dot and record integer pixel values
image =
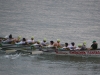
(67, 20)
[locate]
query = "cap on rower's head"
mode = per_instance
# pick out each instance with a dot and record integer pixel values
(19, 37)
(94, 41)
(44, 39)
(58, 40)
(32, 37)
(79, 45)
(84, 42)
(38, 41)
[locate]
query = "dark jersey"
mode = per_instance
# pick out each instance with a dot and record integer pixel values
(94, 46)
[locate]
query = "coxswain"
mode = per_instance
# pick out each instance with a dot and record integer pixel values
(94, 46)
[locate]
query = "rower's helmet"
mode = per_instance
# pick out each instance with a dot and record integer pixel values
(58, 40)
(94, 41)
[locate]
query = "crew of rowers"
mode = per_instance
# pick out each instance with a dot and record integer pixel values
(56, 44)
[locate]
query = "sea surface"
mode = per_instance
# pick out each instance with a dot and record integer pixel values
(68, 20)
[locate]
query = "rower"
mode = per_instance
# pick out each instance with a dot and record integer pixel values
(22, 42)
(72, 46)
(31, 41)
(94, 46)
(51, 44)
(44, 43)
(84, 46)
(79, 47)
(66, 46)
(57, 44)
(9, 39)
(18, 39)
(37, 44)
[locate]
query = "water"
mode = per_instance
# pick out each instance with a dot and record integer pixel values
(67, 20)
(48, 65)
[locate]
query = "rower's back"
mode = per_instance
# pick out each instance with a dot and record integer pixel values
(94, 46)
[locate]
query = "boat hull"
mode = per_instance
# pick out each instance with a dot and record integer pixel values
(93, 53)
(46, 50)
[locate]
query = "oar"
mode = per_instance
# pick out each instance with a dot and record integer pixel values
(10, 51)
(37, 52)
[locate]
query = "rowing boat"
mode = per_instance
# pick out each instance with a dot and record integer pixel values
(92, 53)
(89, 53)
(47, 50)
